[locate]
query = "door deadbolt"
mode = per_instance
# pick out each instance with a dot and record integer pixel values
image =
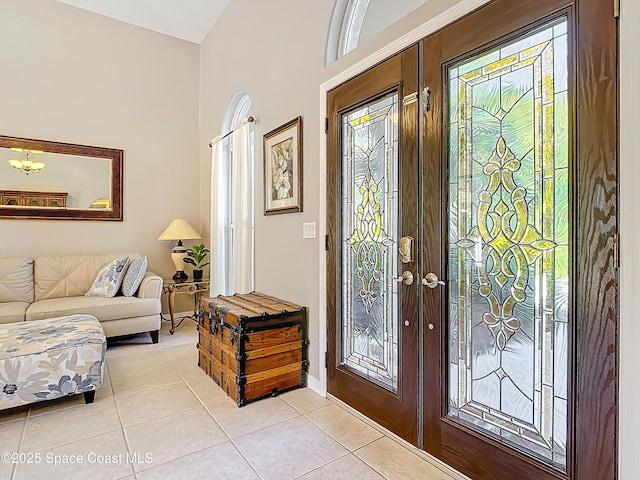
(405, 249)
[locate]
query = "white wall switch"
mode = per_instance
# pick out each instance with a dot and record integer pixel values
(309, 230)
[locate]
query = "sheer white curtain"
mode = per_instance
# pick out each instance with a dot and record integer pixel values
(232, 229)
(219, 199)
(242, 221)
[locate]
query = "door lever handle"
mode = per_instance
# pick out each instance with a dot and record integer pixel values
(406, 278)
(431, 280)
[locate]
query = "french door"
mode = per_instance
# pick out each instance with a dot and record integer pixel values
(472, 232)
(373, 184)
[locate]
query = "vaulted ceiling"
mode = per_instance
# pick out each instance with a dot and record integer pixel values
(190, 20)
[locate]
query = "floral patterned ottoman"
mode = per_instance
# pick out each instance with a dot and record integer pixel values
(47, 359)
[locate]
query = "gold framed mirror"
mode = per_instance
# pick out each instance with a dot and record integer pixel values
(40, 179)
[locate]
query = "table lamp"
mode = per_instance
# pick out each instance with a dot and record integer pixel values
(179, 230)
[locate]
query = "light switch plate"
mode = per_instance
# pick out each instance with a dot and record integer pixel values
(309, 230)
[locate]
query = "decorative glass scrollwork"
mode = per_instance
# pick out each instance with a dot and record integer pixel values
(369, 235)
(509, 243)
(507, 240)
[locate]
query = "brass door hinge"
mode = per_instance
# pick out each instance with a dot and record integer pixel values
(616, 8)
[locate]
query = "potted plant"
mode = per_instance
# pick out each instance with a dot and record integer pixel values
(196, 257)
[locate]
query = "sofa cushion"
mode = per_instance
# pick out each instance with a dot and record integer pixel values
(16, 279)
(133, 278)
(11, 312)
(108, 281)
(69, 276)
(104, 309)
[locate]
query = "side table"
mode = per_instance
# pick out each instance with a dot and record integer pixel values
(195, 288)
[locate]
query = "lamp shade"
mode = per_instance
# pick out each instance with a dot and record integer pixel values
(179, 229)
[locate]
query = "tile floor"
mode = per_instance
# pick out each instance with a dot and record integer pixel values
(158, 416)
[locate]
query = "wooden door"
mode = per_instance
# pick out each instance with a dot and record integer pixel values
(520, 199)
(372, 192)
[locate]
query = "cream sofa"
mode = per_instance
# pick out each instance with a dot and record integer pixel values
(46, 287)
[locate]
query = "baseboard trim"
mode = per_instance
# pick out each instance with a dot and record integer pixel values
(316, 385)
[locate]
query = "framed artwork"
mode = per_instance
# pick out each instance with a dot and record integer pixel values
(283, 169)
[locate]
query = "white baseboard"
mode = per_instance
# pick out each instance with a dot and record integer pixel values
(316, 385)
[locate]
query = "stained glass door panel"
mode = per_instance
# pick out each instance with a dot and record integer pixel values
(509, 253)
(370, 237)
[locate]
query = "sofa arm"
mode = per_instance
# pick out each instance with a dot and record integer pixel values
(151, 286)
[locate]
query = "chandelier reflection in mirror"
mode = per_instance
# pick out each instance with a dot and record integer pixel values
(27, 165)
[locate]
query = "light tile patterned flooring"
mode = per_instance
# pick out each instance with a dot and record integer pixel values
(158, 416)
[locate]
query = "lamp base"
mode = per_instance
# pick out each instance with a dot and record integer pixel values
(178, 254)
(180, 277)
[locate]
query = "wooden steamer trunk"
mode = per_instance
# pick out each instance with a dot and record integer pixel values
(253, 345)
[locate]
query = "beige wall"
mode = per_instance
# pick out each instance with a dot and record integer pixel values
(277, 56)
(73, 76)
(382, 13)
